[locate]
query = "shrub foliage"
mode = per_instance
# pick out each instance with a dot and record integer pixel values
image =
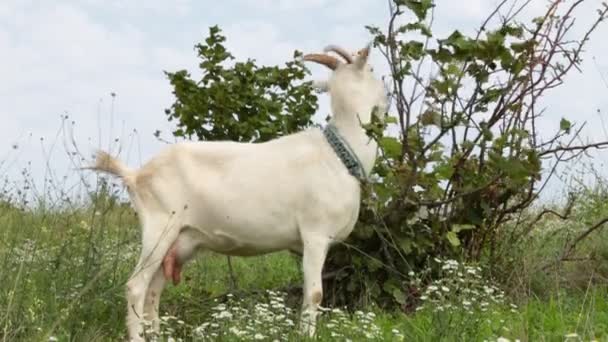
(242, 101)
(460, 151)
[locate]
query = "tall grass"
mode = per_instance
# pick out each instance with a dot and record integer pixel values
(67, 248)
(63, 272)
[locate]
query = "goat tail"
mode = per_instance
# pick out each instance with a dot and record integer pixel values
(104, 162)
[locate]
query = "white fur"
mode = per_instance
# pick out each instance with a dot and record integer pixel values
(291, 193)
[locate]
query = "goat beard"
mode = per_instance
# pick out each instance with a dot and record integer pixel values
(172, 268)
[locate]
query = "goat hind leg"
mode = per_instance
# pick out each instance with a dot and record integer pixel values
(179, 253)
(152, 304)
(156, 240)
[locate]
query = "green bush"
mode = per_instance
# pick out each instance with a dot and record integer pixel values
(466, 157)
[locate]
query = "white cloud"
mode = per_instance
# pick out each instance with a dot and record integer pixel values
(65, 56)
(265, 42)
(65, 64)
(359, 14)
(463, 10)
(285, 5)
(178, 7)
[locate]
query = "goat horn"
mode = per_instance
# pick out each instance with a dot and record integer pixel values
(329, 61)
(340, 51)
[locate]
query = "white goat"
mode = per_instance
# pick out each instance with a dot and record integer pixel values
(292, 193)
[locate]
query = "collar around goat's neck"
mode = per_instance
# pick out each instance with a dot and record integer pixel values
(345, 152)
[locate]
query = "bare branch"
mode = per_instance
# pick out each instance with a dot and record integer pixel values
(599, 146)
(567, 253)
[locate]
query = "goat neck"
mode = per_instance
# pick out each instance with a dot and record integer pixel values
(349, 126)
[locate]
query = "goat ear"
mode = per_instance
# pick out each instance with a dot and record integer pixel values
(362, 56)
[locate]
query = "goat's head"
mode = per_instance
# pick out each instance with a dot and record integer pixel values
(353, 88)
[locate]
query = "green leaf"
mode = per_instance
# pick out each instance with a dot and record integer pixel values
(406, 245)
(565, 125)
(390, 119)
(391, 286)
(391, 147)
(453, 238)
(418, 26)
(487, 133)
(412, 49)
(539, 21)
(399, 296)
(462, 227)
(430, 117)
(444, 171)
(419, 7)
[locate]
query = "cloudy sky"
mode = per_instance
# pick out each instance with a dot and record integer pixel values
(66, 57)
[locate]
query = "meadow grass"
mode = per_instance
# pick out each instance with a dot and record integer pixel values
(63, 272)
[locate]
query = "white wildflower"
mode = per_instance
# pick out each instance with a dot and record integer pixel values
(237, 332)
(224, 314)
(220, 307)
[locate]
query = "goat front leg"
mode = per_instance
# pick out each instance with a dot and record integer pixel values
(315, 252)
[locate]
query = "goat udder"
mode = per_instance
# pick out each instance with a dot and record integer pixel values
(171, 267)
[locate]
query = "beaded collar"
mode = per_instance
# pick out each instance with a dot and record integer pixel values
(344, 152)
